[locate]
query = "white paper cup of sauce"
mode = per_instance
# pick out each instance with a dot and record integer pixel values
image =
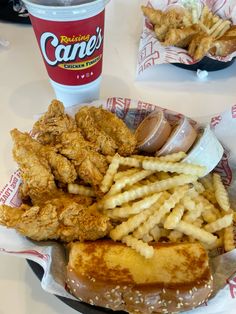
(180, 140)
(152, 132)
(207, 151)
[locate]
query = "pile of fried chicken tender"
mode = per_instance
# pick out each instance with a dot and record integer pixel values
(199, 34)
(65, 150)
(84, 179)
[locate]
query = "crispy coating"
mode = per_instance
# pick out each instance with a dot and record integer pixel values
(36, 173)
(93, 133)
(180, 37)
(114, 127)
(40, 166)
(90, 165)
(53, 123)
(57, 219)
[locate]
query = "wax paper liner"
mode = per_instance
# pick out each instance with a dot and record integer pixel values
(152, 53)
(51, 255)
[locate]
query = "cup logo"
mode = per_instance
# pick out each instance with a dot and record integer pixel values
(72, 51)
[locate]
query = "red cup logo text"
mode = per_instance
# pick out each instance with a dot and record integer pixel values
(72, 51)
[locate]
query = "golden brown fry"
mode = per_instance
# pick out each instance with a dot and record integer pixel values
(180, 167)
(219, 224)
(164, 209)
(81, 190)
(221, 193)
(138, 192)
(229, 244)
(200, 234)
(138, 245)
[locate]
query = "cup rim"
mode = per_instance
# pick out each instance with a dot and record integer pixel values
(66, 7)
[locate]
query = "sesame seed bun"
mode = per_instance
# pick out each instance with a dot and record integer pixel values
(109, 274)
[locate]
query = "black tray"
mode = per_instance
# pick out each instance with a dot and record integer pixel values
(76, 305)
(206, 64)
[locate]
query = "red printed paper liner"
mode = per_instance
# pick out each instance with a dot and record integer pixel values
(51, 255)
(152, 53)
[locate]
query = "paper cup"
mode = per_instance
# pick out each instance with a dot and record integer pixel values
(207, 152)
(70, 35)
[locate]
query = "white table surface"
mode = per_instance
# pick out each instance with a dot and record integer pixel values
(25, 92)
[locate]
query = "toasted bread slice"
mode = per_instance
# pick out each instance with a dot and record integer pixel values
(112, 275)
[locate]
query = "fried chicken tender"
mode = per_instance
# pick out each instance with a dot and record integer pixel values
(40, 166)
(180, 37)
(53, 123)
(109, 123)
(90, 165)
(57, 219)
(93, 133)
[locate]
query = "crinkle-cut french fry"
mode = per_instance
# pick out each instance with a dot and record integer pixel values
(180, 167)
(192, 215)
(152, 178)
(198, 187)
(188, 203)
(234, 216)
(209, 216)
(139, 246)
(109, 176)
(219, 224)
(131, 162)
(162, 175)
(198, 222)
(229, 244)
(198, 233)
(174, 217)
(192, 193)
(80, 190)
(132, 179)
(171, 157)
(209, 212)
(218, 243)
(135, 208)
(132, 194)
(155, 232)
(210, 196)
(175, 236)
(147, 238)
(165, 208)
(221, 29)
(221, 193)
(132, 223)
(207, 182)
(125, 173)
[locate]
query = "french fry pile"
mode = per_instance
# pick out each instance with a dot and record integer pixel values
(188, 29)
(162, 199)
